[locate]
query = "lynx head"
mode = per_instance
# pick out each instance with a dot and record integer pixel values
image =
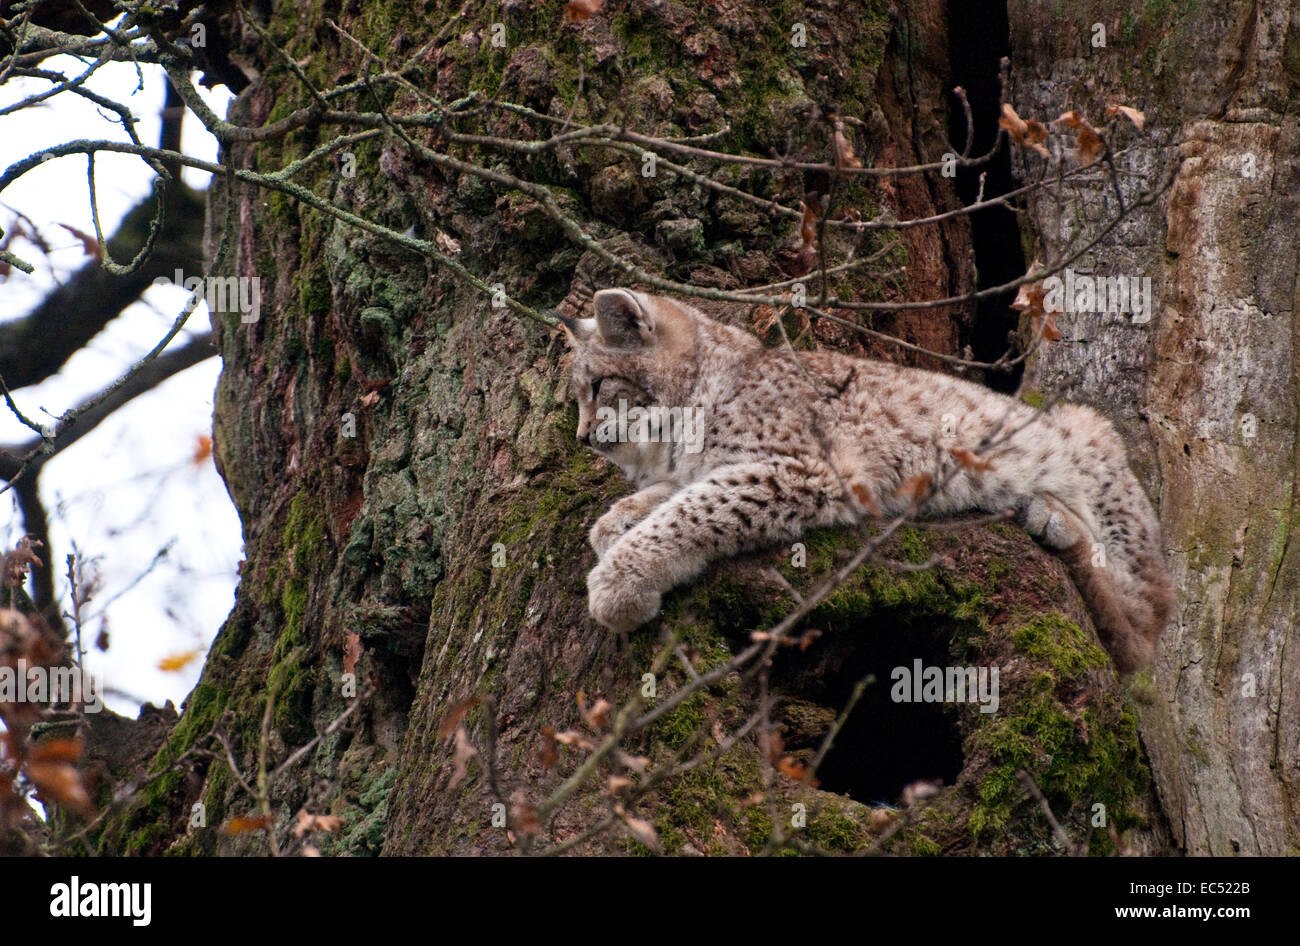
(638, 348)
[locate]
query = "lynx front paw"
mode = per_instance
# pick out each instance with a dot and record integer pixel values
(619, 601)
(626, 513)
(609, 528)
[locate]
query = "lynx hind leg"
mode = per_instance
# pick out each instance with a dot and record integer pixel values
(626, 513)
(1051, 522)
(1061, 530)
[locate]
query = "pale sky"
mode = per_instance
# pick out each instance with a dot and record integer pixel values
(130, 488)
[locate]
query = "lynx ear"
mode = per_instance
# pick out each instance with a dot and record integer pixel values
(622, 321)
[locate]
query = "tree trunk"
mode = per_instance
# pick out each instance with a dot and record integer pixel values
(1207, 390)
(449, 533)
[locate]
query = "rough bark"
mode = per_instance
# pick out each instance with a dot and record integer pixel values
(1206, 391)
(391, 534)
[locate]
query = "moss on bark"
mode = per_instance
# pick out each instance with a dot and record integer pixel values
(469, 451)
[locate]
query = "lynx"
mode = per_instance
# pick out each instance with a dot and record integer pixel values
(787, 441)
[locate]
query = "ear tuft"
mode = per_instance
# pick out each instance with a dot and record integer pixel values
(622, 321)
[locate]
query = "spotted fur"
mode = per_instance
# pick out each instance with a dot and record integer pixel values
(820, 439)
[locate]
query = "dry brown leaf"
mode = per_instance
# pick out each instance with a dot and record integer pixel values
(1049, 330)
(464, 752)
(796, 770)
(352, 653)
(881, 818)
(447, 243)
(57, 750)
(1028, 133)
(618, 784)
(639, 828)
(32, 234)
(775, 747)
(202, 449)
(807, 224)
(89, 245)
(803, 642)
(579, 10)
(309, 822)
(1035, 135)
(303, 824)
(1090, 146)
(971, 461)
(19, 562)
(175, 663)
(61, 782)
(455, 713)
(1132, 114)
(915, 488)
(370, 399)
(807, 257)
(1030, 301)
(597, 715)
(1029, 297)
(14, 629)
(1012, 122)
(863, 496)
(637, 763)
(571, 737)
(243, 824)
(524, 816)
(844, 156)
(550, 753)
(328, 823)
